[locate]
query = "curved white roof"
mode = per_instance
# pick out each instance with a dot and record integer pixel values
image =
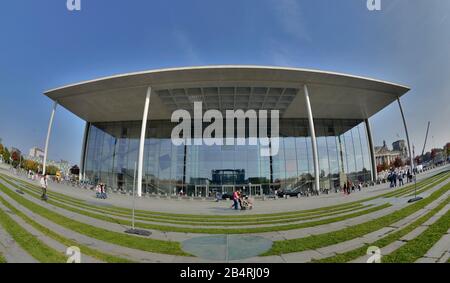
(121, 97)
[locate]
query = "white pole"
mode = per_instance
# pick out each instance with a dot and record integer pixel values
(134, 197)
(142, 142)
(313, 139)
(49, 130)
(411, 158)
(372, 150)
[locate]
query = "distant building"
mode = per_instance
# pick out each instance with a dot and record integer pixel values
(400, 146)
(13, 150)
(383, 155)
(62, 166)
(36, 153)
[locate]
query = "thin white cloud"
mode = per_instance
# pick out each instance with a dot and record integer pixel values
(291, 18)
(184, 43)
(291, 30)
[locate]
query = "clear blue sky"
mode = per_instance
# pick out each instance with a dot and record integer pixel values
(45, 46)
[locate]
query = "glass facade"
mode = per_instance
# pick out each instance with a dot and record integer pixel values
(112, 151)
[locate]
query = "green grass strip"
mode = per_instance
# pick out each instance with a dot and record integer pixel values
(410, 186)
(30, 243)
(214, 230)
(422, 188)
(135, 242)
(2, 259)
(207, 218)
(419, 246)
(419, 191)
(65, 241)
(398, 192)
(359, 252)
(226, 222)
(198, 218)
(346, 234)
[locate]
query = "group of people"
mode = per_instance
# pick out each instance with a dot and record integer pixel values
(100, 191)
(398, 178)
(241, 200)
(350, 187)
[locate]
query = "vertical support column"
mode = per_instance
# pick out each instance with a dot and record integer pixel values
(372, 150)
(49, 130)
(313, 139)
(407, 136)
(142, 142)
(83, 151)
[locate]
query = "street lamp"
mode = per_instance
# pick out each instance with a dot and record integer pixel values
(416, 198)
(133, 230)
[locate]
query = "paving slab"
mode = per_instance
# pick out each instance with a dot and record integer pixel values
(414, 233)
(392, 247)
(426, 260)
(342, 247)
(12, 251)
(120, 251)
(227, 247)
(376, 235)
(305, 256)
(45, 239)
(440, 248)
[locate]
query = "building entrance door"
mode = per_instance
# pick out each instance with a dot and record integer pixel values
(228, 189)
(201, 191)
(255, 190)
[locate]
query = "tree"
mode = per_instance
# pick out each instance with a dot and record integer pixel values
(31, 165)
(15, 159)
(433, 153)
(51, 170)
(398, 162)
(6, 155)
(75, 170)
(382, 167)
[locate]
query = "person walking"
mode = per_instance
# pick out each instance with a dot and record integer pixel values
(400, 179)
(103, 191)
(98, 191)
(44, 185)
(235, 200)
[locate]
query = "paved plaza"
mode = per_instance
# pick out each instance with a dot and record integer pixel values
(259, 238)
(209, 207)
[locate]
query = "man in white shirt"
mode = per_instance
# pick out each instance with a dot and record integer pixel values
(44, 187)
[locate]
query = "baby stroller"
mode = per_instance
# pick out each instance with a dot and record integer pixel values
(246, 203)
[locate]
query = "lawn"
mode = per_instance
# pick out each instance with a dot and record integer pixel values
(150, 245)
(65, 241)
(359, 252)
(108, 218)
(346, 234)
(31, 244)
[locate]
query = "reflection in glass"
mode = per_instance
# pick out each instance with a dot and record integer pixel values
(112, 150)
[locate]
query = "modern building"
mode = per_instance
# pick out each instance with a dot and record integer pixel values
(36, 154)
(386, 156)
(325, 138)
(401, 147)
